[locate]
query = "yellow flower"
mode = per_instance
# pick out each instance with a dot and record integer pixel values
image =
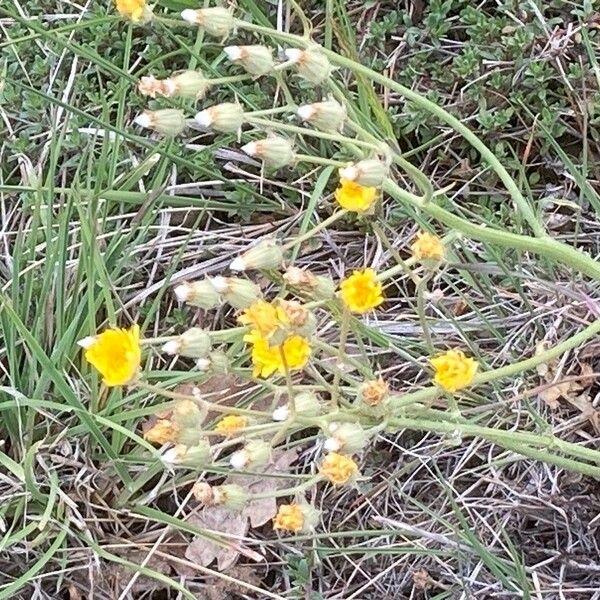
(427, 246)
(263, 317)
(231, 424)
(355, 197)
(115, 353)
(290, 517)
(338, 468)
(361, 291)
(267, 359)
(136, 10)
(161, 432)
(453, 370)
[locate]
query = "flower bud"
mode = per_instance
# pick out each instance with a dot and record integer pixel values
(168, 121)
(369, 173)
(266, 254)
(231, 425)
(307, 404)
(240, 293)
(188, 418)
(346, 438)
(216, 21)
(190, 84)
(216, 362)
(298, 317)
(325, 289)
(198, 293)
(226, 117)
(328, 115)
(194, 343)
(255, 453)
(230, 495)
(256, 60)
(311, 64)
(193, 456)
(374, 392)
(274, 151)
(300, 278)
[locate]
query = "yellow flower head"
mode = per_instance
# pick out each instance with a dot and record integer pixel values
(231, 424)
(115, 353)
(136, 10)
(294, 353)
(263, 317)
(361, 291)
(453, 370)
(289, 517)
(339, 469)
(355, 197)
(162, 432)
(427, 246)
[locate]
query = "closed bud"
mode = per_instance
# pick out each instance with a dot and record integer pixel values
(256, 60)
(255, 453)
(325, 289)
(328, 115)
(168, 121)
(230, 496)
(193, 456)
(274, 151)
(216, 21)
(194, 343)
(226, 117)
(307, 404)
(190, 84)
(346, 438)
(368, 173)
(188, 418)
(240, 293)
(216, 362)
(300, 278)
(198, 293)
(266, 254)
(311, 64)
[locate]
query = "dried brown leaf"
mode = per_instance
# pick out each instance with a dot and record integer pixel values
(235, 525)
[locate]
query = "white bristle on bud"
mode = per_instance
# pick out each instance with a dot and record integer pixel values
(203, 364)
(182, 292)
(332, 444)
(143, 120)
(293, 54)
(281, 413)
(219, 283)
(233, 53)
(349, 173)
(204, 118)
(86, 342)
(251, 148)
(306, 112)
(239, 459)
(171, 347)
(238, 264)
(189, 15)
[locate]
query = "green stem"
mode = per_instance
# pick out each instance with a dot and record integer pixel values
(309, 234)
(543, 246)
(422, 102)
(317, 160)
(420, 292)
(515, 440)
